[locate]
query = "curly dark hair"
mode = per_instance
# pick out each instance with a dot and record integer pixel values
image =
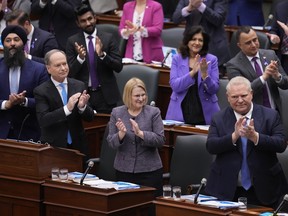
(188, 35)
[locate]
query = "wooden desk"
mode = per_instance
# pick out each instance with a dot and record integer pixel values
(70, 199)
(170, 207)
(252, 210)
(23, 168)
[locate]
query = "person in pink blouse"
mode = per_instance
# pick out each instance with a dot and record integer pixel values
(141, 25)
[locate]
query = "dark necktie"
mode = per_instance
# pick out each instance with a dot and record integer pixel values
(26, 47)
(258, 70)
(284, 45)
(245, 174)
(65, 100)
(92, 66)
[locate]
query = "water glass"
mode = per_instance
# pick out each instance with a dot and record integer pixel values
(167, 191)
(176, 192)
(243, 203)
(55, 173)
(63, 174)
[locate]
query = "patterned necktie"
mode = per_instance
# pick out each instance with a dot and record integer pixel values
(258, 70)
(245, 174)
(93, 73)
(65, 99)
(26, 47)
(14, 83)
(284, 45)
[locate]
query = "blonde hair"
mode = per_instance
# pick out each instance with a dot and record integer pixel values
(128, 88)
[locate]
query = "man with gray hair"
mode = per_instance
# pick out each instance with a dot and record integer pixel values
(246, 137)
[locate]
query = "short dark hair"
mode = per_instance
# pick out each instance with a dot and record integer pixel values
(18, 15)
(82, 9)
(188, 35)
(242, 29)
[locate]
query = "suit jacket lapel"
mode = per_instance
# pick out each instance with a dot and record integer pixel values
(248, 66)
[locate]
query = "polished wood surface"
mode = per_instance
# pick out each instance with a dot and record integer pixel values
(61, 198)
(170, 207)
(23, 168)
(34, 161)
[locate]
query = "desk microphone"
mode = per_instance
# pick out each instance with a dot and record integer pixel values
(22, 125)
(90, 165)
(166, 56)
(270, 18)
(203, 184)
(285, 199)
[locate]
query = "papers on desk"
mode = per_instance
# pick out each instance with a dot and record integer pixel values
(172, 122)
(130, 61)
(76, 177)
(203, 127)
(119, 185)
(201, 197)
(220, 204)
(271, 214)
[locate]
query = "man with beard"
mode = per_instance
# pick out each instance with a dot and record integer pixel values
(19, 77)
(93, 56)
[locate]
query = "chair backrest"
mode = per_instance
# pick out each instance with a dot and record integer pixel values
(148, 75)
(172, 37)
(221, 94)
(106, 169)
(263, 41)
(283, 159)
(190, 161)
(113, 29)
(284, 107)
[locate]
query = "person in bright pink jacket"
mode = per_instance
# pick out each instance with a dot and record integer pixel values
(141, 25)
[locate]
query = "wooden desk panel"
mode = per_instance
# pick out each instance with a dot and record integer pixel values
(70, 199)
(170, 207)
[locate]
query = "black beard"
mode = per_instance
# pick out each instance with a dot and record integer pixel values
(16, 59)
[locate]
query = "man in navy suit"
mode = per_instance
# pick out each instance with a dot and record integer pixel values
(105, 59)
(246, 137)
(18, 78)
(55, 116)
(39, 41)
(57, 17)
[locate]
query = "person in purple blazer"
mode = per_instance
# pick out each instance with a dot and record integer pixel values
(194, 79)
(141, 25)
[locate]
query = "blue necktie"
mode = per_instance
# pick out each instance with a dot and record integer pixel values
(14, 85)
(245, 174)
(65, 99)
(93, 73)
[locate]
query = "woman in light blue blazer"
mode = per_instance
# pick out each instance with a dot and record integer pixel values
(194, 79)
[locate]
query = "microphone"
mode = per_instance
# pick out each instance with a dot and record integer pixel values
(203, 184)
(285, 199)
(90, 165)
(166, 56)
(22, 125)
(152, 103)
(270, 18)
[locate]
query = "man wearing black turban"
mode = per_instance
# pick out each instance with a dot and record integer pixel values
(18, 78)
